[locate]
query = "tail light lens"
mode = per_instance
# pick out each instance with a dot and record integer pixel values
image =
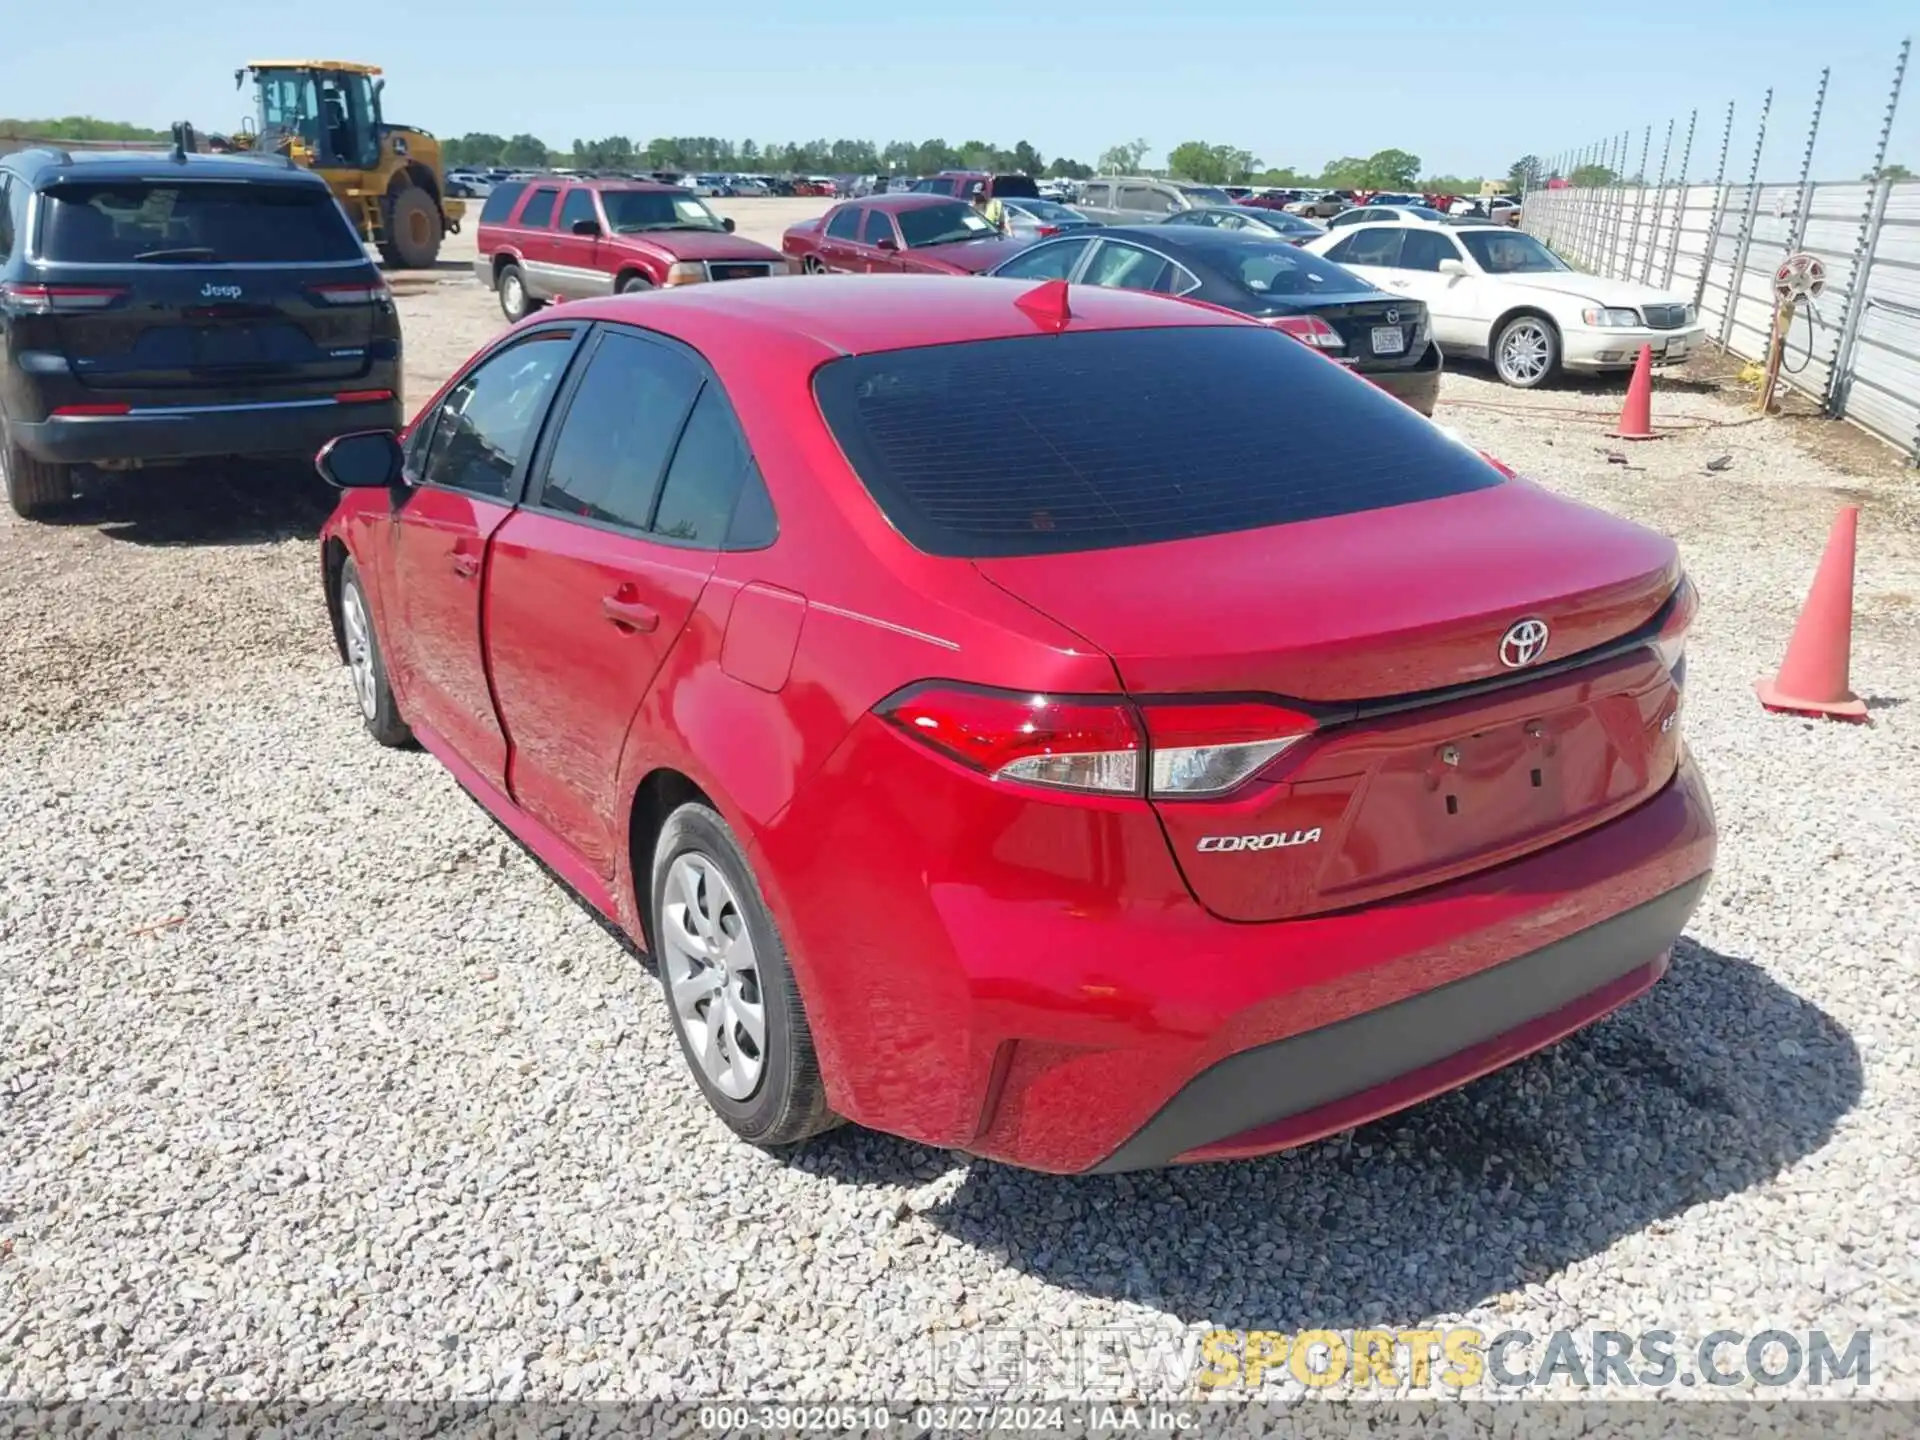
(358, 292)
(1097, 747)
(60, 299)
(1049, 229)
(1309, 330)
(1671, 643)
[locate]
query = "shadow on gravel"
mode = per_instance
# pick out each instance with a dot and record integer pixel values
(235, 502)
(1607, 385)
(1704, 1087)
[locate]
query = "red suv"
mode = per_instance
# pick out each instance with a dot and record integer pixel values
(983, 759)
(553, 238)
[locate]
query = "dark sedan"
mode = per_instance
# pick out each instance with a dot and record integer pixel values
(1384, 337)
(1269, 224)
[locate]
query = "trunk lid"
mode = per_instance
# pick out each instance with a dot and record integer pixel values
(1364, 319)
(1359, 616)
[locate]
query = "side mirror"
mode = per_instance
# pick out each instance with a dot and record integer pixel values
(726, 224)
(586, 227)
(366, 460)
(1454, 267)
(886, 242)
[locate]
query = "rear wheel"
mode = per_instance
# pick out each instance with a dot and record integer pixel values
(35, 488)
(413, 229)
(731, 995)
(1526, 352)
(366, 666)
(515, 303)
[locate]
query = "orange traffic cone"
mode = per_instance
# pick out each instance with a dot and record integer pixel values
(1814, 681)
(1636, 416)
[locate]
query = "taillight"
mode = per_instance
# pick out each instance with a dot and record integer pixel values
(1068, 744)
(1309, 330)
(1671, 643)
(1188, 749)
(60, 299)
(357, 292)
(1207, 749)
(1049, 229)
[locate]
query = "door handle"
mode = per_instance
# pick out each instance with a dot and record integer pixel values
(464, 565)
(630, 614)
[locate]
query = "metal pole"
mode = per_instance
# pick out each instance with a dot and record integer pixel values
(1659, 206)
(1640, 208)
(1680, 202)
(1736, 286)
(1619, 205)
(1840, 378)
(1720, 198)
(1615, 159)
(1806, 168)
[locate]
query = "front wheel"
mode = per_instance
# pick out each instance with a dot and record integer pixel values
(736, 1010)
(812, 266)
(515, 303)
(634, 284)
(1526, 352)
(366, 665)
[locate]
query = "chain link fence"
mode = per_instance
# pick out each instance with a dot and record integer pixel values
(1855, 350)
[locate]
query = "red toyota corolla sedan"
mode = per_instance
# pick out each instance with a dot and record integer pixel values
(1079, 728)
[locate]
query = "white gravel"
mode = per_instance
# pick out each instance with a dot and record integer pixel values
(313, 1085)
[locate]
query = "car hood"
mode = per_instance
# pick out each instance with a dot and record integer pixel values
(1597, 288)
(697, 245)
(971, 256)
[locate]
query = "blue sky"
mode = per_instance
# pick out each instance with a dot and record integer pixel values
(1468, 87)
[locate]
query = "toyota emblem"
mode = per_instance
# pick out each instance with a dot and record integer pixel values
(1524, 643)
(1393, 317)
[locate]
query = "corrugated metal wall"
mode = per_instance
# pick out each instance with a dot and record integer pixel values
(1856, 349)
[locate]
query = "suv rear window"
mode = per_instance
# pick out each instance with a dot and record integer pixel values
(1015, 187)
(1054, 444)
(187, 222)
(500, 202)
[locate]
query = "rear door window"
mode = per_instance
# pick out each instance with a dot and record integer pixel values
(1425, 249)
(1085, 441)
(1053, 261)
(539, 212)
(189, 222)
(1146, 198)
(1126, 267)
(845, 224)
(704, 482)
(620, 426)
(1372, 246)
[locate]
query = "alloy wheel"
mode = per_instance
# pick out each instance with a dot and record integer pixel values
(359, 637)
(513, 294)
(1526, 352)
(713, 975)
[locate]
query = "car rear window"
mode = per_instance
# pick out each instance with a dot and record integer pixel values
(1055, 444)
(1015, 186)
(218, 222)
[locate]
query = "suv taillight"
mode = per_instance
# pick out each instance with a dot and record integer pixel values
(1309, 330)
(1181, 749)
(59, 299)
(356, 292)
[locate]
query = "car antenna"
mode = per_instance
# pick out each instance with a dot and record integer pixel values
(1047, 304)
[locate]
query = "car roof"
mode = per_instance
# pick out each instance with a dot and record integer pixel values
(836, 315)
(905, 201)
(55, 166)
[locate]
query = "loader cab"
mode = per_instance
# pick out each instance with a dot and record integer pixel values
(332, 113)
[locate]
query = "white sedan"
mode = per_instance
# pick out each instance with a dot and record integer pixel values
(1495, 292)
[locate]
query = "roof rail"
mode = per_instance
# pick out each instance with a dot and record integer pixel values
(60, 156)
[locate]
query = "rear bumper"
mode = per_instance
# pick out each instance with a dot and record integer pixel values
(189, 432)
(1418, 387)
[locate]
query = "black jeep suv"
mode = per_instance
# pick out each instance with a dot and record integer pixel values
(163, 307)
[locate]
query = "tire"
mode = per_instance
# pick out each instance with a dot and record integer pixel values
(1526, 352)
(366, 665)
(515, 303)
(768, 1090)
(812, 266)
(35, 488)
(634, 285)
(413, 229)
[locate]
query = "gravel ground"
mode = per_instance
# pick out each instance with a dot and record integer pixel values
(311, 1084)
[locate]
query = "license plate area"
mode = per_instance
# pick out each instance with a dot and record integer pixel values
(227, 345)
(1389, 340)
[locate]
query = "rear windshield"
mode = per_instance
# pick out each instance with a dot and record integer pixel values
(1055, 444)
(1285, 270)
(217, 222)
(1015, 186)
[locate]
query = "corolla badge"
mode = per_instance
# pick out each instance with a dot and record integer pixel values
(1273, 840)
(219, 292)
(1524, 643)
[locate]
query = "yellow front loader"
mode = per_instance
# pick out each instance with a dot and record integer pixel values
(325, 115)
